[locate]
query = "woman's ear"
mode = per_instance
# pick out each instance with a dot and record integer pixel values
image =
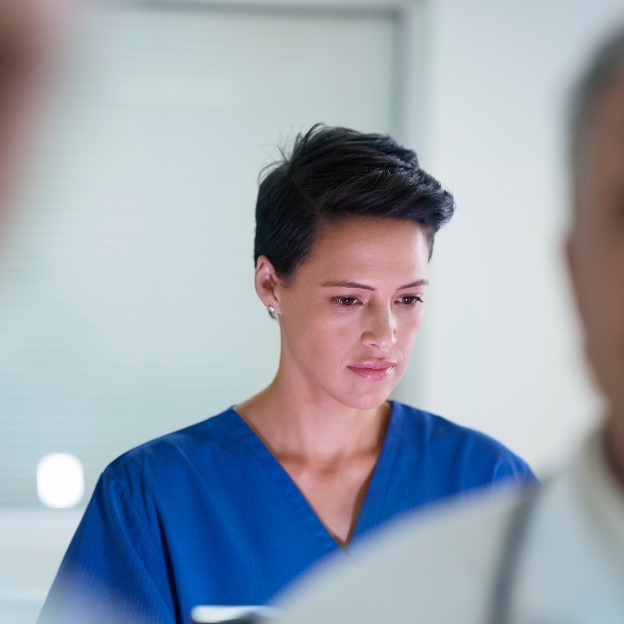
(266, 282)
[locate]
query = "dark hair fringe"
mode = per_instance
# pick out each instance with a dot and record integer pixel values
(333, 174)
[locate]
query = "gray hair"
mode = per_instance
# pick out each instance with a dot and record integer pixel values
(605, 68)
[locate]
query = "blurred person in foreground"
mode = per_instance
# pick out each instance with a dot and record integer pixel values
(28, 34)
(231, 510)
(556, 554)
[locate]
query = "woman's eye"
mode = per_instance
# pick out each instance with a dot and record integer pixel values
(411, 300)
(345, 301)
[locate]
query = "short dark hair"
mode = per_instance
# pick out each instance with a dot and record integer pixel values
(605, 67)
(333, 174)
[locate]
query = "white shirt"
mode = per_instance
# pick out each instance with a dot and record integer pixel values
(441, 568)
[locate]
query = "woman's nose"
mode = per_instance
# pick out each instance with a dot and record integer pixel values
(380, 331)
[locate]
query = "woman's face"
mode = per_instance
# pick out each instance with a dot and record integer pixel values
(351, 312)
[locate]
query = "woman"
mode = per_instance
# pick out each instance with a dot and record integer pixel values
(231, 510)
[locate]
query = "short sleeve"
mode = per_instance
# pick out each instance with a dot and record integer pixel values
(114, 570)
(512, 469)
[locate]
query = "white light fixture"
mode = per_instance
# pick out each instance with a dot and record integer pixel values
(60, 480)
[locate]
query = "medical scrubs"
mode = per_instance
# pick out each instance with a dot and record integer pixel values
(207, 515)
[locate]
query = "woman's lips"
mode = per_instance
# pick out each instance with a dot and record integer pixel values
(374, 370)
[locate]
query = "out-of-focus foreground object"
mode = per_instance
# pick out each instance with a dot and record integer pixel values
(28, 35)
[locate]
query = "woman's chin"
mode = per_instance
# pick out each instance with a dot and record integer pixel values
(367, 401)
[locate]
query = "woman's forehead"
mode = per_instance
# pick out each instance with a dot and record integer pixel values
(371, 232)
(369, 248)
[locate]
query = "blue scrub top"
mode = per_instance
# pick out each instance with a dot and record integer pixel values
(207, 515)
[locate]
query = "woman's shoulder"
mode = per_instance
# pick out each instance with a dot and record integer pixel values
(439, 437)
(178, 450)
(434, 426)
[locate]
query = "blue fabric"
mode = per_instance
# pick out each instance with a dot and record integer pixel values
(207, 515)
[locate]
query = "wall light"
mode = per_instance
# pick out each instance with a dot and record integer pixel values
(60, 480)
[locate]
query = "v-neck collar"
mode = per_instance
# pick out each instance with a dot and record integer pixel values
(371, 512)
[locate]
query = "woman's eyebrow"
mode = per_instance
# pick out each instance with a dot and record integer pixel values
(347, 284)
(420, 282)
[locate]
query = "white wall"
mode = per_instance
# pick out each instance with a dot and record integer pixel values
(500, 351)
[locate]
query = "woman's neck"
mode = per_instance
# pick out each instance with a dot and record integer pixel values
(313, 429)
